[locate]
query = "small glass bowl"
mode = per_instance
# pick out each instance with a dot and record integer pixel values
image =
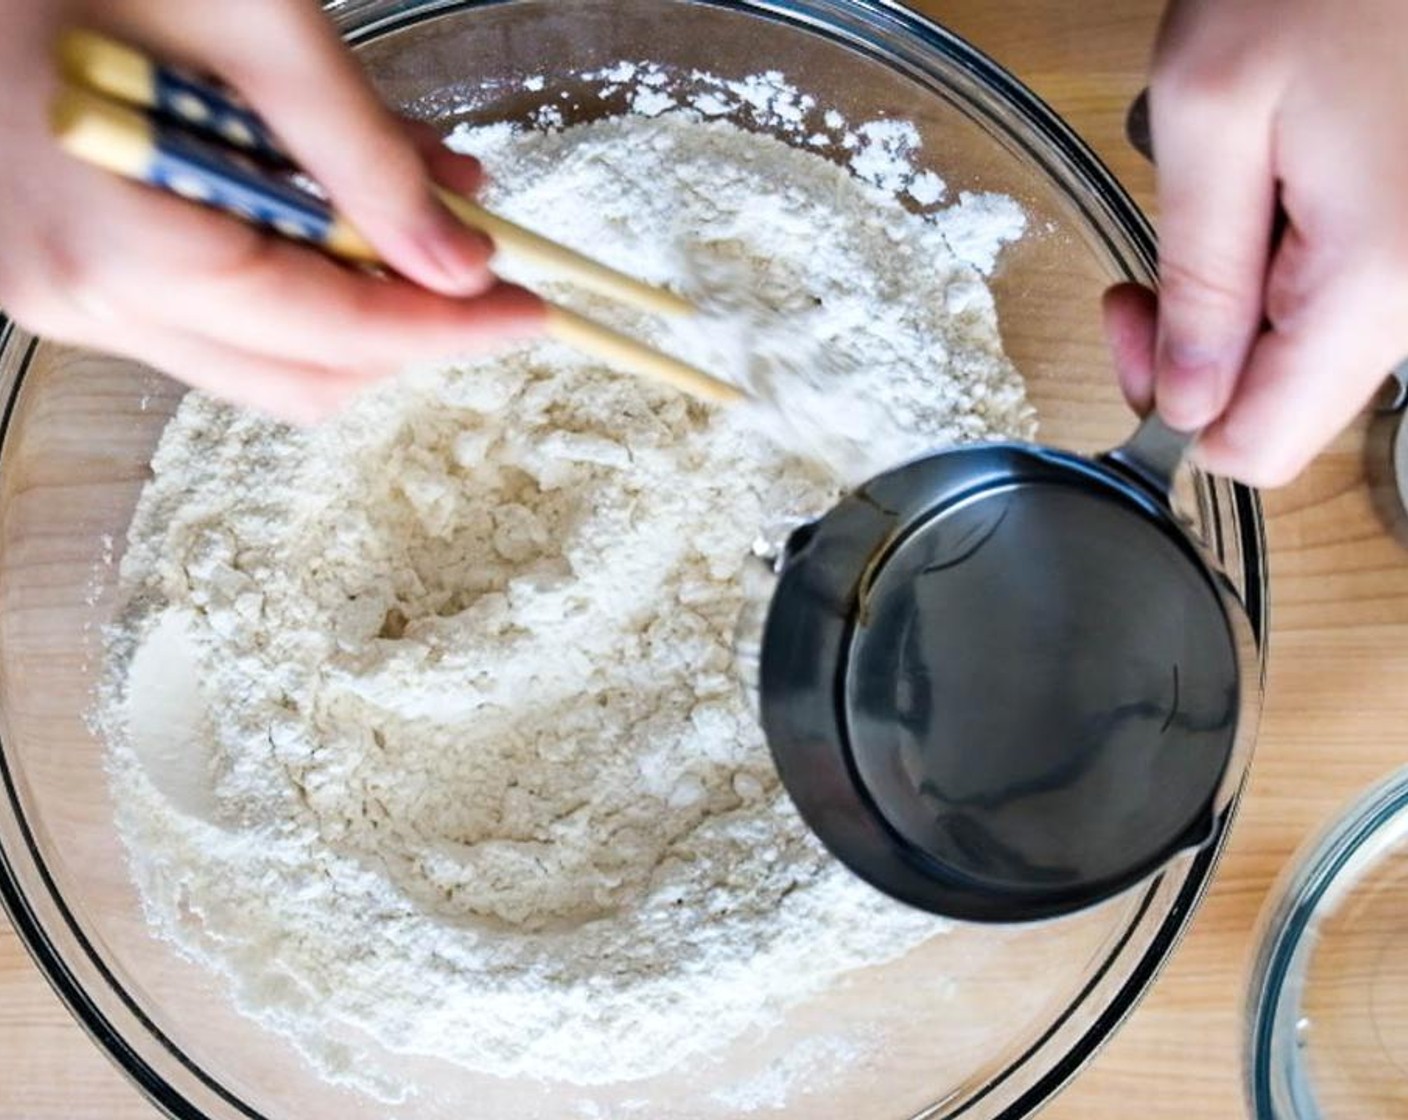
(1328, 1011)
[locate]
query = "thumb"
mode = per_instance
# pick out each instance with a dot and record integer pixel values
(1130, 312)
(326, 114)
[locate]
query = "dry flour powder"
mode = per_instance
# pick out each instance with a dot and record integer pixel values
(425, 728)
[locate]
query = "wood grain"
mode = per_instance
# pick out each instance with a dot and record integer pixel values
(1332, 722)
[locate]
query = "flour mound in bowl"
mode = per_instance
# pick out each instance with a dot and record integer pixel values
(456, 761)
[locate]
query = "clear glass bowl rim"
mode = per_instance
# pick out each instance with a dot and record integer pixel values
(1278, 1084)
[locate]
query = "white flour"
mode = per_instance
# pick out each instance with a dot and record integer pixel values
(425, 725)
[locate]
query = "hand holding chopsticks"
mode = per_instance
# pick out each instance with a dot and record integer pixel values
(185, 134)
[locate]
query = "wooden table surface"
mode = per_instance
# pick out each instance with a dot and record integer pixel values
(1334, 719)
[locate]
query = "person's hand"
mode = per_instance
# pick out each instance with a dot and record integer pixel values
(89, 259)
(1272, 349)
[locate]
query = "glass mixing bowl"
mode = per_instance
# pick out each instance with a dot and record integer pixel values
(981, 1022)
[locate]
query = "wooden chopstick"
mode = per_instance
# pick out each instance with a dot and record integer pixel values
(119, 71)
(123, 73)
(621, 350)
(564, 263)
(186, 150)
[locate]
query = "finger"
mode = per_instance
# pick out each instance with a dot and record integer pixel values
(353, 145)
(1130, 313)
(289, 302)
(266, 295)
(1307, 379)
(462, 174)
(1216, 195)
(295, 392)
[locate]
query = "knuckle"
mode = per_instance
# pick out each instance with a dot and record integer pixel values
(1200, 289)
(363, 307)
(1291, 281)
(1368, 288)
(1288, 299)
(244, 259)
(1201, 82)
(56, 299)
(393, 182)
(1340, 278)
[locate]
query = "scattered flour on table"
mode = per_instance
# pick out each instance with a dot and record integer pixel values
(425, 726)
(807, 1065)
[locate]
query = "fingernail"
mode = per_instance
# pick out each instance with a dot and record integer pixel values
(1189, 382)
(462, 257)
(459, 253)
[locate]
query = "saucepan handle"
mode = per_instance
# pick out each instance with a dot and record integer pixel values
(1154, 453)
